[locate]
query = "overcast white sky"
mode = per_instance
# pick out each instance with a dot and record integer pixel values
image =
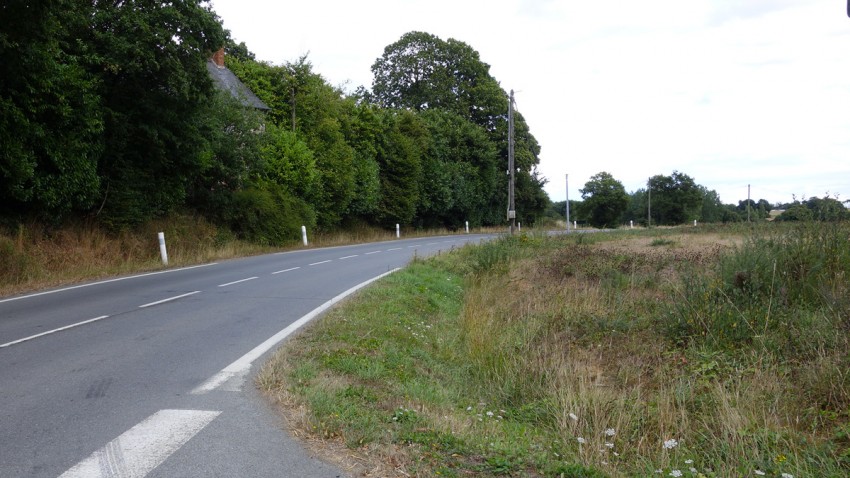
(729, 92)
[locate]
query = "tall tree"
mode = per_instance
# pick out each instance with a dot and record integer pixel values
(676, 199)
(50, 113)
(151, 60)
(605, 200)
(422, 72)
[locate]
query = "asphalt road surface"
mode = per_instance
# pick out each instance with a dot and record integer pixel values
(151, 375)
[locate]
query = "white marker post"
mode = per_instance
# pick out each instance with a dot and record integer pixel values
(631, 224)
(695, 223)
(397, 231)
(467, 227)
(162, 251)
(304, 235)
(519, 226)
(575, 224)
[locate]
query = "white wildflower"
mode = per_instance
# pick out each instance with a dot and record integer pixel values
(489, 414)
(693, 470)
(469, 408)
(609, 445)
(581, 440)
(574, 417)
(675, 473)
(759, 473)
(610, 432)
(689, 461)
(787, 475)
(671, 443)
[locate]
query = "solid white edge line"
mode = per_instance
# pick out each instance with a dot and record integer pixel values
(26, 339)
(317, 263)
(286, 270)
(145, 446)
(237, 281)
(243, 364)
(169, 299)
(38, 294)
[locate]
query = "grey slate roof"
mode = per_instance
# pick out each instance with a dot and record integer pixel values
(225, 80)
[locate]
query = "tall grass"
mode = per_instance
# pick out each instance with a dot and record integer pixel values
(605, 355)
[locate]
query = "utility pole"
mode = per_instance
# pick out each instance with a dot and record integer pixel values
(648, 203)
(568, 203)
(511, 169)
(748, 203)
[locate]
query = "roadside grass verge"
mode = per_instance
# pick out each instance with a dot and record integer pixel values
(33, 256)
(714, 352)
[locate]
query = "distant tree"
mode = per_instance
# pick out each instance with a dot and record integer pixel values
(676, 199)
(817, 209)
(605, 200)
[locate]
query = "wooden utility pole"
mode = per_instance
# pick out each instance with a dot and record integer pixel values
(568, 203)
(649, 202)
(511, 168)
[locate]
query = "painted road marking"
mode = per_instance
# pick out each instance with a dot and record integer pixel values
(348, 257)
(232, 377)
(286, 270)
(432, 244)
(370, 253)
(169, 299)
(394, 249)
(104, 282)
(25, 339)
(415, 245)
(317, 263)
(142, 448)
(237, 281)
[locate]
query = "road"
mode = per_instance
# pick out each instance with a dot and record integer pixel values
(151, 375)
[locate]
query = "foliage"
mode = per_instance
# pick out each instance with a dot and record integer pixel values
(818, 209)
(675, 199)
(51, 119)
(605, 200)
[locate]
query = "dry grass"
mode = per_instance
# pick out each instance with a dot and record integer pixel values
(575, 339)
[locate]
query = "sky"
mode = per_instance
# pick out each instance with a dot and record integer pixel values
(730, 92)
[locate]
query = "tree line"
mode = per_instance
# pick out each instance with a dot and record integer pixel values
(107, 111)
(678, 199)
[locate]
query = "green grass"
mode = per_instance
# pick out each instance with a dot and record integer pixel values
(580, 357)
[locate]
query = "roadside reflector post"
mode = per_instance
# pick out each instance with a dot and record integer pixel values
(304, 234)
(631, 224)
(162, 251)
(397, 231)
(467, 227)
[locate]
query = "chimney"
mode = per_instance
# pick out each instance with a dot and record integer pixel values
(218, 58)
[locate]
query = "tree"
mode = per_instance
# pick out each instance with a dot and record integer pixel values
(151, 64)
(459, 171)
(421, 71)
(50, 113)
(676, 199)
(605, 200)
(403, 139)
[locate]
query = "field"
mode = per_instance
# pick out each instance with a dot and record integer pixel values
(702, 351)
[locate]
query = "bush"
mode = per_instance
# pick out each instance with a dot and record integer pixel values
(268, 214)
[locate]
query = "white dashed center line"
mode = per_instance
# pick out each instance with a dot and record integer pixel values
(373, 252)
(394, 249)
(54, 331)
(286, 270)
(348, 257)
(168, 299)
(237, 281)
(317, 263)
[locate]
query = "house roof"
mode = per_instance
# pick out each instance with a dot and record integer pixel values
(225, 80)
